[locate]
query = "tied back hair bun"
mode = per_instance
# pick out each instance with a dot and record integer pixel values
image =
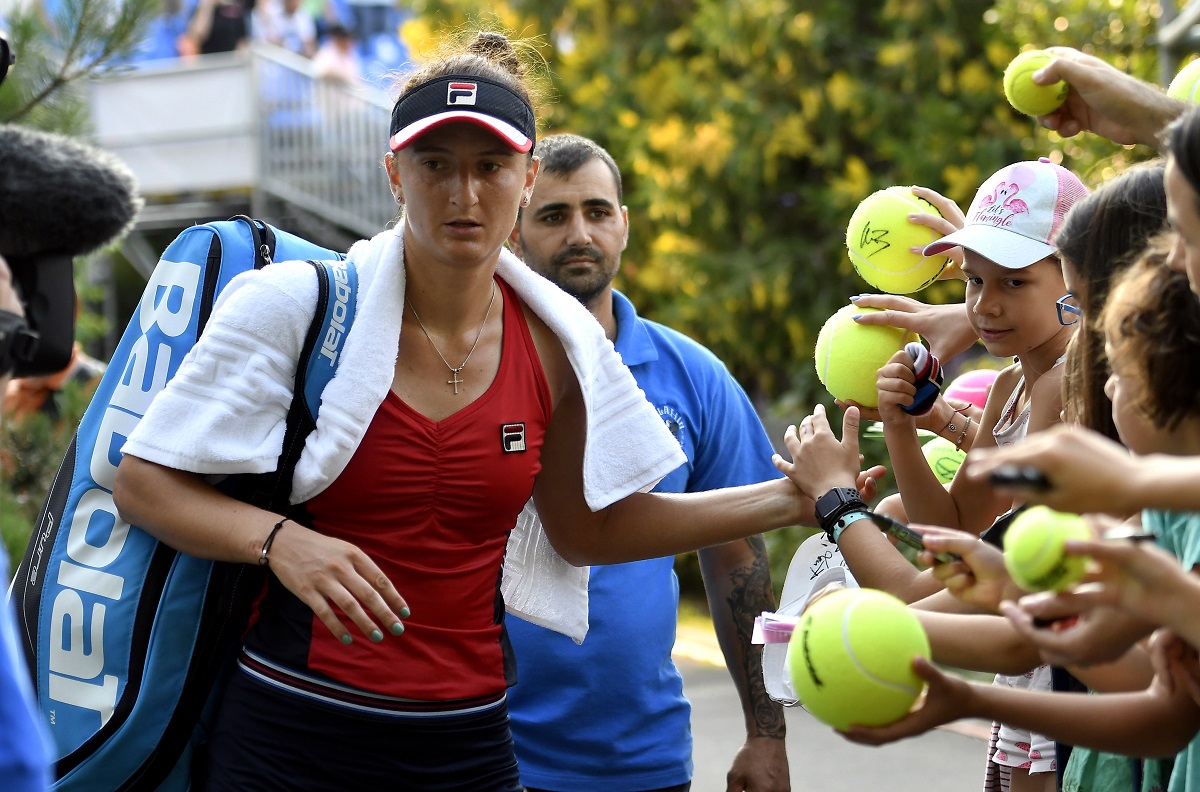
(499, 50)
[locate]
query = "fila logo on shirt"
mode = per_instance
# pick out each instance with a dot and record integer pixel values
(461, 93)
(512, 437)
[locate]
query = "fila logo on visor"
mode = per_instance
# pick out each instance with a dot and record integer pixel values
(461, 93)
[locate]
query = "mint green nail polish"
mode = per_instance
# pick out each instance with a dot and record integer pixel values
(346, 638)
(397, 629)
(376, 636)
(405, 612)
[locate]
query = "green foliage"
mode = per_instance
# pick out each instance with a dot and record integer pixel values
(33, 446)
(55, 55)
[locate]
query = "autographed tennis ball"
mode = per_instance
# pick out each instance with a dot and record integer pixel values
(943, 458)
(851, 656)
(1024, 94)
(848, 354)
(1183, 87)
(879, 237)
(1033, 549)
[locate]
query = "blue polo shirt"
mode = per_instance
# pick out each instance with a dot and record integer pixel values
(610, 713)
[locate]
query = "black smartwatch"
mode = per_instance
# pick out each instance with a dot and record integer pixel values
(831, 506)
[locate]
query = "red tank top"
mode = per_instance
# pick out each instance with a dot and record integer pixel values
(432, 503)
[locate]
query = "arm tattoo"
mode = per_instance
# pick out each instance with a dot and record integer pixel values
(750, 595)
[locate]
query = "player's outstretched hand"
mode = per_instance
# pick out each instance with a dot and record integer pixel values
(1105, 100)
(945, 327)
(946, 699)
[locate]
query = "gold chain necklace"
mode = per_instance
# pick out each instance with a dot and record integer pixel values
(454, 372)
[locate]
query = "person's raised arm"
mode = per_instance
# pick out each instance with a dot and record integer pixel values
(646, 525)
(1087, 472)
(198, 28)
(1105, 100)
(967, 505)
(1159, 721)
(945, 327)
(876, 563)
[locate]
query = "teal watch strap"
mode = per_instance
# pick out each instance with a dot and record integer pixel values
(846, 520)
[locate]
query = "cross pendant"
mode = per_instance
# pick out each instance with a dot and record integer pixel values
(454, 380)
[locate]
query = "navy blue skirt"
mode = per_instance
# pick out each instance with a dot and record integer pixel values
(269, 739)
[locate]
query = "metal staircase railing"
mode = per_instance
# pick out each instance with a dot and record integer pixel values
(321, 144)
(260, 125)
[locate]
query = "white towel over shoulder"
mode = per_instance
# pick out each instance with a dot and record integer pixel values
(225, 409)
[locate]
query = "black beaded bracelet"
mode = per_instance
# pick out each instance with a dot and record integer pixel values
(266, 548)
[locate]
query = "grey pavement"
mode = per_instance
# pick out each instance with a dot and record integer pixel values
(820, 760)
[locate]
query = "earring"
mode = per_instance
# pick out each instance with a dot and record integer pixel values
(399, 200)
(525, 201)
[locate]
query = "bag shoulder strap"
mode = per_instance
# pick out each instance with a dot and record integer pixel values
(337, 292)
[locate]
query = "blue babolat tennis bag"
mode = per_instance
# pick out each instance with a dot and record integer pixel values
(125, 637)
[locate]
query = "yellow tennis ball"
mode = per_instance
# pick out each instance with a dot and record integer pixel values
(1033, 549)
(880, 236)
(1025, 95)
(848, 354)
(1183, 87)
(943, 458)
(851, 655)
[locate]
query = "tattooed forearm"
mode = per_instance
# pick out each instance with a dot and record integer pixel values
(738, 579)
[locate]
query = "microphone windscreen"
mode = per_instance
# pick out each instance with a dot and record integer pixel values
(60, 196)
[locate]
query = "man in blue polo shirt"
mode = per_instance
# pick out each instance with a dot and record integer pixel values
(610, 714)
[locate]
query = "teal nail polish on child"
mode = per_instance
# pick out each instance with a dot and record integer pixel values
(397, 629)
(376, 636)
(405, 612)
(346, 638)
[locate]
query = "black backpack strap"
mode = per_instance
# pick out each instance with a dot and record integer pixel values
(264, 240)
(272, 490)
